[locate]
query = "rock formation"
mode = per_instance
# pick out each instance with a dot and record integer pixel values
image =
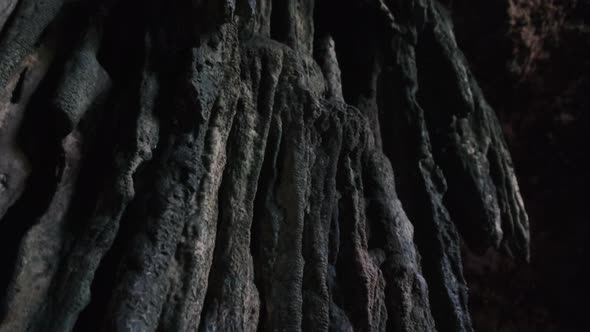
(531, 60)
(232, 165)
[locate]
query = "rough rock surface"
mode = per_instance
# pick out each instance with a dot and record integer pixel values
(229, 166)
(538, 80)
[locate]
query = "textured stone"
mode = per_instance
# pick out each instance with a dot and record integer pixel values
(227, 167)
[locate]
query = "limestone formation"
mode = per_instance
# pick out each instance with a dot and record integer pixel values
(232, 165)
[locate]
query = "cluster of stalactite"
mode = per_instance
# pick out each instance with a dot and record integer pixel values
(228, 165)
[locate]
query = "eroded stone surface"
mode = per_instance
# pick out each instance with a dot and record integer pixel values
(235, 170)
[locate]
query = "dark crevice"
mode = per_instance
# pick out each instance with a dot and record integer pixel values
(333, 254)
(95, 128)
(40, 139)
(355, 50)
(263, 228)
(280, 21)
(376, 229)
(18, 89)
(106, 276)
(445, 108)
(420, 189)
(42, 145)
(127, 88)
(374, 199)
(321, 27)
(427, 242)
(348, 293)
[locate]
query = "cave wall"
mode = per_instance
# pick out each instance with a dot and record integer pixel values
(537, 81)
(241, 165)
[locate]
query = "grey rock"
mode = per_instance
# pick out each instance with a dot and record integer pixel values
(230, 167)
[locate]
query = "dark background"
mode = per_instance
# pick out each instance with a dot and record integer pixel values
(532, 60)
